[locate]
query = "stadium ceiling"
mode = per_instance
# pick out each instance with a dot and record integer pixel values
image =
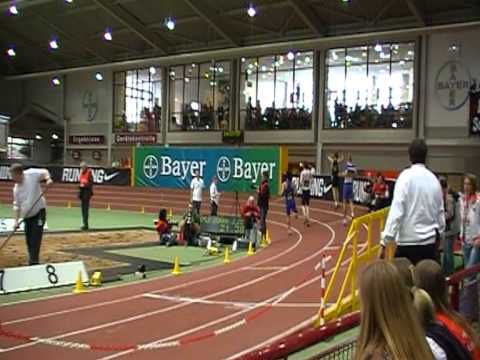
(139, 31)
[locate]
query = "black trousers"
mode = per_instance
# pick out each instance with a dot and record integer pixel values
(85, 200)
(197, 205)
(417, 253)
(33, 234)
(263, 220)
(213, 208)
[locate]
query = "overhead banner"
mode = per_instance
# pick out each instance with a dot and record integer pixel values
(71, 174)
(237, 169)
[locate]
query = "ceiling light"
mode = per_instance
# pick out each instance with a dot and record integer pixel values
(108, 35)
(99, 76)
(53, 44)
(410, 52)
(54, 136)
(13, 9)
(290, 55)
(38, 137)
(194, 65)
(243, 59)
(187, 80)
(378, 48)
(11, 52)
(364, 54)
(251, 11)
(220, 69)
(307, 59)
(69, 1)
(56, 81)
(170, 24)
(152, 70)
(264, 68)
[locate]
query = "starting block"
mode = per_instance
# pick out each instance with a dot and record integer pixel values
(96, 279)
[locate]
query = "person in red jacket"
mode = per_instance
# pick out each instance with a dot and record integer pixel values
(251, 214)
(380, 192)
(85, 192)
(164, 229)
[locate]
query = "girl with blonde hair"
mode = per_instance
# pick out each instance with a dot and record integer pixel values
(389, 327)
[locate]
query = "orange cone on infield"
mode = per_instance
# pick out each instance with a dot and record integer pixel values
(250, 249)
(227, 259)
(79, 287)
(176, 267)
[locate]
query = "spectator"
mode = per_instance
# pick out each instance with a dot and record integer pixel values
(190, 225)
(214, 197)
(451, 227)
(251, 214)
(85, 192)
(443, 344)
(335, 161)
(349, 174)
(417, 216)
(164, 229)
(197, 186)
(470, 221)
(405, 268)
(263, 202)
(387, 312)
(305, 183)
(380, 192)
(429, 276)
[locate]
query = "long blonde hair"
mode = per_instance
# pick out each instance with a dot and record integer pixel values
(389, 323)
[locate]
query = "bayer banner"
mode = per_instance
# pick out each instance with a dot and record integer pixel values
(236, 168)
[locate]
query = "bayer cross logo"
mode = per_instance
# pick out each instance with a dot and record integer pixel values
(224, 169)
(150, 166)
(90, 104)
(452, 85)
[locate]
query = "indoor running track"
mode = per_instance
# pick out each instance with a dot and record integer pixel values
(216, 313)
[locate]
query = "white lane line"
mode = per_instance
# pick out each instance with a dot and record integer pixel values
(219, 320)
(128, 298)
(151, 313)
(264, 268)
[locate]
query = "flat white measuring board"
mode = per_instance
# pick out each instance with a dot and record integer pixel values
(6, 225)
(41, 276)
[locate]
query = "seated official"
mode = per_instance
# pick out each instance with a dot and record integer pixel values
(250, 215)
(164, 229)
(190, 226)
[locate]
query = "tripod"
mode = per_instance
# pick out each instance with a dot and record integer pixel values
(236, 205)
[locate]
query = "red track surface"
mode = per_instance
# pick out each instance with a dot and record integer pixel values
(123, 316)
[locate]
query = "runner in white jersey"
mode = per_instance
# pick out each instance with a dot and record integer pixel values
(305, 182)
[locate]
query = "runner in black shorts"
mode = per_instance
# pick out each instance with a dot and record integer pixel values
(305, 182)
(335, 161)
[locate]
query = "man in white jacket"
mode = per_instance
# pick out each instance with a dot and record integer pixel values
(417, 214)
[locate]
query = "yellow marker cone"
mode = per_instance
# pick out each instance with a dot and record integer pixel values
(170, 214)
(143, 210)
(264, 242)
(250, 249)
(267, 237)
(109, 207)
(79, 288)
(69, 205)
(227, 259)
(96, 279)
(176, 267)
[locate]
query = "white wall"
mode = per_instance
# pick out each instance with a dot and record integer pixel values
(441, 122)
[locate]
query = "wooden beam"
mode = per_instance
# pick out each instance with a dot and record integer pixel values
(308, 16)
(130, 21)
(417, 11)
(212, 18)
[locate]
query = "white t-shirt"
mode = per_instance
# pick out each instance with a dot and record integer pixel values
(197, 186)
(305, 179)
(214, 194)
(26, 193)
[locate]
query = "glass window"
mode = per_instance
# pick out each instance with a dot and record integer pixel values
(200, 96)
(370, 86)
(138, 100)
(19, 148)
(277, 92)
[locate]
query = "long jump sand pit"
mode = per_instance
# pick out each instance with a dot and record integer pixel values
(55, 247)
